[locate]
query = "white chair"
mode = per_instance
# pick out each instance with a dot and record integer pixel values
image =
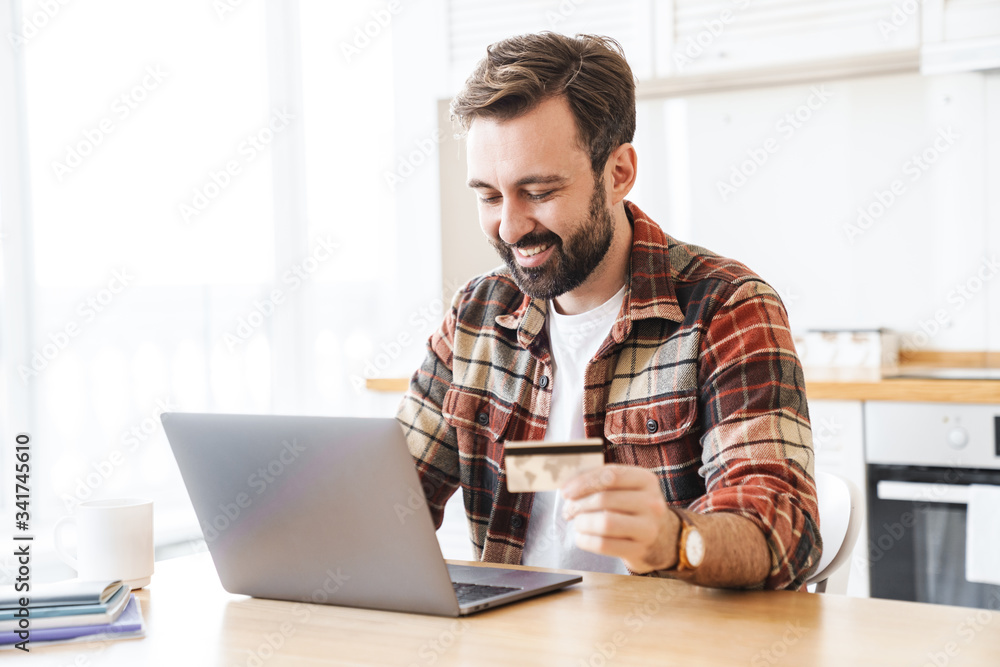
(840, 522)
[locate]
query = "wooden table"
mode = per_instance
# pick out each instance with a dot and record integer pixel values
(606, 620)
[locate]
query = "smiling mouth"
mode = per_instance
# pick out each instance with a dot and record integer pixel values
(531, 251)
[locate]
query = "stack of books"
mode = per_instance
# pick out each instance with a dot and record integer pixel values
(67, 611)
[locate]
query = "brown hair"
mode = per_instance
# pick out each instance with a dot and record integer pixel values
(520, 72)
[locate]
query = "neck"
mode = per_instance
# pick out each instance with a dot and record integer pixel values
(608, 277)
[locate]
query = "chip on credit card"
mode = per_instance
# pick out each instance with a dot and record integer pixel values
(538, 465)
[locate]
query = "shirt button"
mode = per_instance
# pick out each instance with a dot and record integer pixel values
(516, 522)
(652, 426)
(544, 382)
(483, 419)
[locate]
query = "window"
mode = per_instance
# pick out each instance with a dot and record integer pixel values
(204, 227)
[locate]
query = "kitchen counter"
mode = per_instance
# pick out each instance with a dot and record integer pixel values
(847, 389)
(875, 385)
(981, 383)
(905, 389)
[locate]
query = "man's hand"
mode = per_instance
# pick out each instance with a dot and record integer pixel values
(620, 511)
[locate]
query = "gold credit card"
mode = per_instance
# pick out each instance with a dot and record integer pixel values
(537, 465)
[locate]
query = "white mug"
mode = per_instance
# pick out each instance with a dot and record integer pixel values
(114, 540)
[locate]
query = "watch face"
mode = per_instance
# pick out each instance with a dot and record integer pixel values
(694, 548)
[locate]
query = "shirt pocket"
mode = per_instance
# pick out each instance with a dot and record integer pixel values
(480, 422)
(652, 422)
(477, 414)
(660, 434)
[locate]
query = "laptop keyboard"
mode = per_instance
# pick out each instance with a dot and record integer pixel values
(467, 593)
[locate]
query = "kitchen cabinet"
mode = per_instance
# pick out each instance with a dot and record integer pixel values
(838, 440)
(473, 24)
(689, 45)
(960, 36)
(701, 37)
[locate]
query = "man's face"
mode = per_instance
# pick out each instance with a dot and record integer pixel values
(539, 203)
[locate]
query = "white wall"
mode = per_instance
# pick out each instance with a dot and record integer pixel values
(794, 218)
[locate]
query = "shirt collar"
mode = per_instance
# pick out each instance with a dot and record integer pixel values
(649, 293)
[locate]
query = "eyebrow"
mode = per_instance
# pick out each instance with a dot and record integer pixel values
(475, 183)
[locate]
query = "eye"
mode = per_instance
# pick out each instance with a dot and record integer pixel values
(540, 196)
(490, 200)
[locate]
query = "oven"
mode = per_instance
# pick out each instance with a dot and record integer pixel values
(922, 462)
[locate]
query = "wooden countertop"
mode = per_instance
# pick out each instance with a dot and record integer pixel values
(846, 385)
(905, 389)
(847, 389)
(873, 385)
(605, 620)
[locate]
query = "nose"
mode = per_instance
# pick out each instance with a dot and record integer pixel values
(514, 221)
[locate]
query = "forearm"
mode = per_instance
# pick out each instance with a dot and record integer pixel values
(620, 511)
(757, 442)
(736, 553)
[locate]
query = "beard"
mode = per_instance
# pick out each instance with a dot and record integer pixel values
(572, 260)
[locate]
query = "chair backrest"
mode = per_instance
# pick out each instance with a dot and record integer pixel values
(840, 522)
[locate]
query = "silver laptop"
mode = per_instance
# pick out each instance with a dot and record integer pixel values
(328, 510)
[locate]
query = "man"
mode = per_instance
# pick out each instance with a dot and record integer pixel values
(600, 325)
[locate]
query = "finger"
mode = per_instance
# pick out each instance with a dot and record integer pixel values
(625, 502)
(627, 550)
(607, 477)
(641, 530)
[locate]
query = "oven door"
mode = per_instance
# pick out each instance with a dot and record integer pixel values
(916, 535)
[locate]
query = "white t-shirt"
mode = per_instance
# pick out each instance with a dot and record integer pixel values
(574, 340)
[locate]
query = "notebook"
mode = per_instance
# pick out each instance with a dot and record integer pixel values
(128, 624)
(69, 592)
(53, 616)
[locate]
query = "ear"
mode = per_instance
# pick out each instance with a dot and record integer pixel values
(620, 172)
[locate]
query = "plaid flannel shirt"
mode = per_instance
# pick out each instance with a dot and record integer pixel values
(697, 381)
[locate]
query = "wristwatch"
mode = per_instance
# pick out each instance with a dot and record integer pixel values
(691, 546)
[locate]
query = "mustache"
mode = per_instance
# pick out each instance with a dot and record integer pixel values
(534, 239)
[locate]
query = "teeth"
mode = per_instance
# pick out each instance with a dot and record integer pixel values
(530, 252)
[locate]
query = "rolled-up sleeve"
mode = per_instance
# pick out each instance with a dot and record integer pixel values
(757, 458)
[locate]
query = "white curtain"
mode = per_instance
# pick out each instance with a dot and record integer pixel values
(203, 224)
